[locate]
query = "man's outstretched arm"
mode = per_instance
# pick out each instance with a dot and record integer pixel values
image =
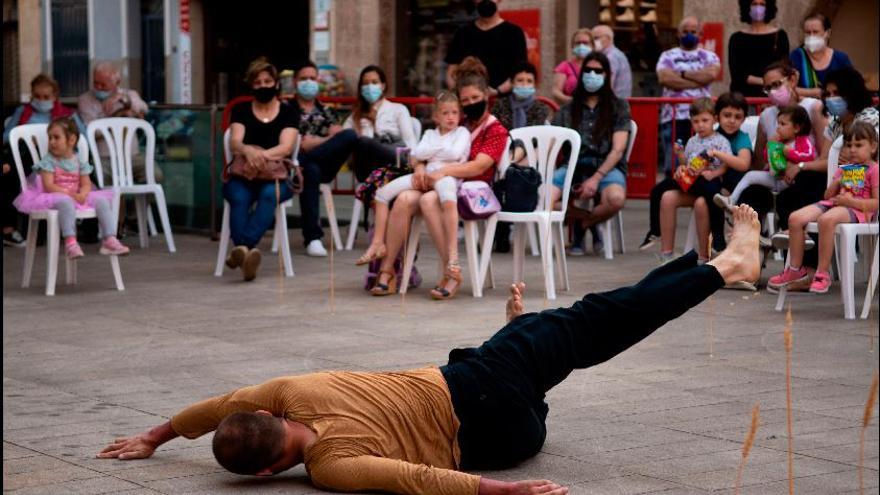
(139, 446)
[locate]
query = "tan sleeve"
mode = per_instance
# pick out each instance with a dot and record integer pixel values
(371, 473)
(203, 417)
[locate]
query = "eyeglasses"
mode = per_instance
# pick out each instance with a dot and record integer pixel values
(773, 86)
(594, 70)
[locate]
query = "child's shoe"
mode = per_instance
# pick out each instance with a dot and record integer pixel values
(788, 277)
(821, 283)
(73, 250)
(723, 202)
(112, 247)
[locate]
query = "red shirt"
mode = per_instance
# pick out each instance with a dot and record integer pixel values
(492, 141)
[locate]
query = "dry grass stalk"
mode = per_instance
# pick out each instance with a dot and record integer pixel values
(869, 411)
(711, 325)
(332, 281)
(788, 338)
(747, 445)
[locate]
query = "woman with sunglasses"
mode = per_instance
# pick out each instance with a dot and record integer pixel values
(602, 120)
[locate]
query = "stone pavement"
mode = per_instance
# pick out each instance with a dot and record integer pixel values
(91, 364)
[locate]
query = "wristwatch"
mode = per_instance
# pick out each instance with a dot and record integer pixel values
(800, 165)
(682, 75)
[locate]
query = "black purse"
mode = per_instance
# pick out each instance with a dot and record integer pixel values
(517, 191)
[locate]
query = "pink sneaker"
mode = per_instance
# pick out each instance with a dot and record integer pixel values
(112, 246)
(788, 277)
(73, 250)
(821, 283)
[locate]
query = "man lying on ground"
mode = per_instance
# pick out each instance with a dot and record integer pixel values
(412, 431)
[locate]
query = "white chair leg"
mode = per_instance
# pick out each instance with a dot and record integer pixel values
(29, 253)
(356, 210)
(607, 240)
(872, 279)
(691, 242)
(486, 250)
(533, 240)
(224, 241)
(771, 229)
(330, 206)
(283, 238)
(163, 217)
(70, 269)
(53, 241)
(562, 263)
(117, 273)
(471, 237)
(140, 204)
(412, 244)
(780, 298)
(519, 248)
(547, 258)
(151, 221)
(618, 218)
(846, 256)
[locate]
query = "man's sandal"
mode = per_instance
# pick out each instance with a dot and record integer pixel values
(370, 257)
(386, 289)
(453, 272)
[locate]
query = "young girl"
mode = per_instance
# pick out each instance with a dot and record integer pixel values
(852, 197)
(793, 129)
(449, 143)
(61, 182)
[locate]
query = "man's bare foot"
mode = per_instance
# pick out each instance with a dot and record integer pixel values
(741, 261)
(515, 302)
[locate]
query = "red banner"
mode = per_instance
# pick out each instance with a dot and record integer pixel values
(713, 40)
(529, 20)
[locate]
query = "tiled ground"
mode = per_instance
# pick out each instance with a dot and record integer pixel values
(665, 417)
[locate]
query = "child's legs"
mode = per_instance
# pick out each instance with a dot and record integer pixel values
(701, 217)
(753, 178)
(669, 203)
(797, 222)
(66, 216)
(105, 217)
(827, 223)
(447, 189)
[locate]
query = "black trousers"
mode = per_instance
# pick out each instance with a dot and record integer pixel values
(498, 388)
(701, 188)
(808, 187)
(9, 190)
(320, 166)
(370, 154)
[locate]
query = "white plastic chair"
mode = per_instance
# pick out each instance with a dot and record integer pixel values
(617, 219)
(845, 238)
(543, 144)
(357, 208)
(750, 127)
(120, 134)
(36, 139)
(280, 233)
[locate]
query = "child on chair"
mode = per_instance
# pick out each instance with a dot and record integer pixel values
(448, 143)
(793, 130)
(61, 182)
(852, 197)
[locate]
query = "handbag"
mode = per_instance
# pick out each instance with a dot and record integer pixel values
(273, 170)
(518, 190)
(476, 201)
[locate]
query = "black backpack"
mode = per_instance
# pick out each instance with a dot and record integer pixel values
(517, 191)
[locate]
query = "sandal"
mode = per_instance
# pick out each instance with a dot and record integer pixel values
(453, 272)
(369, 258)
(386, 289)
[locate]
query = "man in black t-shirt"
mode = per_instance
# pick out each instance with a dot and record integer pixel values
(499, 45)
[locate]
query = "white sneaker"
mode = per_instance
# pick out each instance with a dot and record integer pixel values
(315, 248)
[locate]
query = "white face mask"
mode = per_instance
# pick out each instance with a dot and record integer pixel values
(598, 45)
(814, 43)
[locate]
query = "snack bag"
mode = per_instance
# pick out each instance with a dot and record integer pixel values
(776, 158)
(852, 179)
(694, 166)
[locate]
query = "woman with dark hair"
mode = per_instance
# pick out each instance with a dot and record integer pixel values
(381, 125)
(603, 121)
(752, 50)
(261, 131)
(814, 59)
(846, 100)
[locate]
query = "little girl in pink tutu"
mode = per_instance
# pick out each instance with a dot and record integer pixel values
(61, 182)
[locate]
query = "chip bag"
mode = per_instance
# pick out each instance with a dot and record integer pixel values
(696, 165)
(776, 158)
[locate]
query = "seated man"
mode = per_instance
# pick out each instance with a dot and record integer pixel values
(411, 431)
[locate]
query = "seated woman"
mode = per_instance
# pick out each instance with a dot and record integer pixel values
(261, 131)
(488, 140)
(602, 120)
(565, 75)
(382, 125)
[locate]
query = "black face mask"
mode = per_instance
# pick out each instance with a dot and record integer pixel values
(474, 111)
(486, 8)
(265, 95)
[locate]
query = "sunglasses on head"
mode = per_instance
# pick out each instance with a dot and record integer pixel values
(594, 70)
(774, 85)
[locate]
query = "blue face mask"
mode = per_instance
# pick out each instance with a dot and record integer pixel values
(307, 88)
(581, 50)
(689, 41)
(371, 92)
(101, 95)
(836, 105)
(43, 106)
(523, 92)
(592, 81)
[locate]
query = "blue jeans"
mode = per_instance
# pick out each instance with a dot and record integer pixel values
(682, 131)
(615, 176)
(248, 222)
(319, 166)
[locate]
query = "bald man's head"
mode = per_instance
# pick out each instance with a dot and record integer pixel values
(603, 37)
(689, 24)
